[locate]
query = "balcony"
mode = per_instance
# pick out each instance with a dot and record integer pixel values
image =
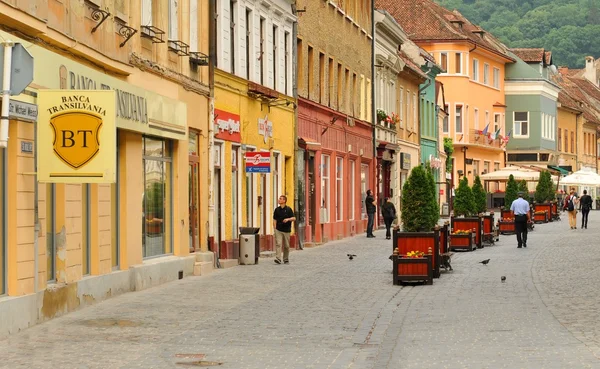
(484, 141)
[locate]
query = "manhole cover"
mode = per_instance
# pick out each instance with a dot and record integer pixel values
(200, 363)
(109, 322)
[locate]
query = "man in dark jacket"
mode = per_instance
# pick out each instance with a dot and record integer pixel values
(371, 209)
(388, 210)
(585, 204)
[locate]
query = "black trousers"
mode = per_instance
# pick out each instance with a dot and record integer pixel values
(584, 217)
(370, 221)
(388, 225)
(521, 229)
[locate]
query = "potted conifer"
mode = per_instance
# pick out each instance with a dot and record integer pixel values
(466, 225)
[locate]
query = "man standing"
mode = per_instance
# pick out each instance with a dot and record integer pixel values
(520, 207)
(283, 216)
(585, 204)
(371, 209)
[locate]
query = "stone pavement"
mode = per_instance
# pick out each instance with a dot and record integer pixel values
(325, 311)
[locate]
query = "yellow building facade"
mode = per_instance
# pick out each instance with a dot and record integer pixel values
(67, 245)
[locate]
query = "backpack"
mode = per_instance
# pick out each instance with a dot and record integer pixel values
(569, 206)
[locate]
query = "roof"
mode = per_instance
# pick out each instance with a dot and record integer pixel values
(424, 20)
(410, 64)
(533, 55)
(579, 94)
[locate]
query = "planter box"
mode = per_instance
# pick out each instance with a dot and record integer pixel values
(555, 214)
(413, 269)
(444, 232)
(506, 227)
(506, 214)
(540, 218)
(426, 242)
(544, 207)
(474, 224)
(463, 241)
(490, 233)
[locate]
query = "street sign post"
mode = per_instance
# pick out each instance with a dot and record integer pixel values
(258, 162)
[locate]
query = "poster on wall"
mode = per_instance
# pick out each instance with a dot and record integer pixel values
(76, 136)
(258, 162)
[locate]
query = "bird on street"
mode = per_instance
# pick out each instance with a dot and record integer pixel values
(484, 262)
(503, 279)
(351, 256)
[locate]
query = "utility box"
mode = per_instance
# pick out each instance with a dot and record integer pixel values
(249, 245)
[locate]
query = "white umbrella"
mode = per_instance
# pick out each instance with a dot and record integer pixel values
(519, 173)
(583, 177)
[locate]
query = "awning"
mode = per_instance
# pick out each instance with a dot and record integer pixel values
(309, 144)
(562, 171)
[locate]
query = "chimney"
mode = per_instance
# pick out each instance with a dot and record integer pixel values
(590, 70)
(563, 70)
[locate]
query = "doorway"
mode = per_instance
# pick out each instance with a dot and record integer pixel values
(194, 205)
(312, 206)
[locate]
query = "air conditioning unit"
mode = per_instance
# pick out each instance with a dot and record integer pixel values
(350, 121)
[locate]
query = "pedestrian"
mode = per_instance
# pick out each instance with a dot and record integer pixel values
(570, 206)
(520, 208)
(371, 209)
(283, 216)
(585, 204)
(388, 210)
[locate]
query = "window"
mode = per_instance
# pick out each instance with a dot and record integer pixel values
(174, 21)
(414, 111)
(487, 120)
(476, 118)
(234, 190)
(566, 140)
(340, 80)
(496, 167)
(311, 65)
(559, 143)
(156, 162)
(276, 70)
(330, 85)
(553, 129)
(521, 124)
(458, 119)
(347, 90)
(321, 78)
(232, 34)
(445, 123)
(300, 61)
(444, 61)
(146, 12)
(486, 167)
(364, 186)
(263, 49)
(339, 189)
(248, 28)
(354, 95)
(475, 167)
(496, 79)
(325, 170)
(286, 63)
(497, 122)
(572, 142)
(458, 63)
(408, 109)
(476, 70)
(401, 113)
(193, 25)
(486, 74)
(352, 189)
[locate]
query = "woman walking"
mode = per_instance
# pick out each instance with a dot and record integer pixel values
(570, 206)
(388, 210)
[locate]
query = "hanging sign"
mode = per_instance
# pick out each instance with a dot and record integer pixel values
(258, 162)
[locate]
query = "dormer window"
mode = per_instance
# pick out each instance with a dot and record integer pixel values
(457, 23)
(479, 32)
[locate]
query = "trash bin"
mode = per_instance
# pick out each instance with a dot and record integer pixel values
(249, 245)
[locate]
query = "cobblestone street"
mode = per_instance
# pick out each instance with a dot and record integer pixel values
(327, 312)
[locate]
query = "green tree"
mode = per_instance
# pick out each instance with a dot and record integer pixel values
(512, 189)
(479, 196)
(522, 187)
(448, 149)
(420, 211)
(463, 200)
(544, 187)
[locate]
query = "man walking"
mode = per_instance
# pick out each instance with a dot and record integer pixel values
(371, 209)
(520, 207)
(388, 210)
(283, 216)
(585, 204)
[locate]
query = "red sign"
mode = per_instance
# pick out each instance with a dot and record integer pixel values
(441, 191)
(258, 162)
(227, 126)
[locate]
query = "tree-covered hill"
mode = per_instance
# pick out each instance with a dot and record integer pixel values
(569, 28)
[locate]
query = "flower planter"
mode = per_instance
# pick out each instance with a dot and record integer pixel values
(490, 233)
(426, 242)
(540, 217)
(413, 269)
(472, 223)
(506, 214)
(444, 232)
(463, 241)
(506, 227)
(555, 214)
(543, 207)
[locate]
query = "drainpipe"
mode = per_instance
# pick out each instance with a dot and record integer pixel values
(212, 49)
(299, 200)
(8, 46)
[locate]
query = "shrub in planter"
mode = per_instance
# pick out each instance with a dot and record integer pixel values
(420, 210)
(522, 187)
(512, 190)
(543, 188)
(463, 201)
(479, 196)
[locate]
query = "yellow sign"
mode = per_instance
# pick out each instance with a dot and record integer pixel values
(76, 136)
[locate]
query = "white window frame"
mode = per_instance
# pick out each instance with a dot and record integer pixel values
(518, 126)
(325, 186)
(486, 74)
(415, 112)
(499, 126)
(446, 121)
(496, 78)
(352, 192)
(146, 12)
(457, 116)
(401, 113)
(476, 118)
(339, 179)
(553, 129)
(173, 20)
(194, 25)
(475, 70)
(458, 69)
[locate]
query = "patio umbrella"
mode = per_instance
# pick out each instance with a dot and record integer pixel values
(583, 177)
(519, 173)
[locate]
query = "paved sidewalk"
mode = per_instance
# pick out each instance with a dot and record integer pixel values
(325, 311)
